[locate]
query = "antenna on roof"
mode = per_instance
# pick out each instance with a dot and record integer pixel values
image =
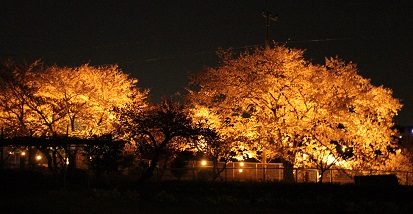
(268, 17)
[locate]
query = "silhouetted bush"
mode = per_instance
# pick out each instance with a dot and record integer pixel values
(376, 180)
(20, 181)
(179, 167)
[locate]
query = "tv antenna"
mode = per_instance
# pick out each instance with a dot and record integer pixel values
(268, 17)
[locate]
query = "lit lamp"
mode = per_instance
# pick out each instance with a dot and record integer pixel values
(203, 163)
(22, 159)
(241, 164)
(38, 157)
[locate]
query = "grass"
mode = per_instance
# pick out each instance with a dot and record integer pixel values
(34, 194)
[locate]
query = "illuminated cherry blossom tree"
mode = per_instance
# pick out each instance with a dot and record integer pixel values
(55, 101)
(79, 101)
(302, 114)
(15, 86)
(222, 142)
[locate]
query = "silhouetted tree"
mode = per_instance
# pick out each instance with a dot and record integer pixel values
(157, 129)
(106, 156)
(179, 166)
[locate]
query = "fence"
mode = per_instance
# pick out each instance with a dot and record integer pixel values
(244, 171)
(249, 171)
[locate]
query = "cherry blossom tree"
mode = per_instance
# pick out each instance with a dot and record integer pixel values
(55, 101)
(302, 114)
(15, 86)
(222, 142)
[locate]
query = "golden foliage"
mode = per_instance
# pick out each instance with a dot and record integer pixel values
(290, 107)
(57, 100)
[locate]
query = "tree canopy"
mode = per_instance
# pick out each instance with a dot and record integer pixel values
(44, 104)
(299, 112)
(48, 101)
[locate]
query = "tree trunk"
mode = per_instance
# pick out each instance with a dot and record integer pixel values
(71, 155)
(288, 171)
(149, 172)
(161, 169)
(31, 157)
(1, 158)
(320, 179)
(215, 170)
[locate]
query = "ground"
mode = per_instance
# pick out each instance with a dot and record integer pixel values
(36, 195)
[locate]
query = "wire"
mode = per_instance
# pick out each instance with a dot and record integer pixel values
(236, 48)
(162, 58)
(318, 40)
(190, 55)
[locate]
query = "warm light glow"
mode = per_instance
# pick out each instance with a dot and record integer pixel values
(202, 112)
(202, 143)
(241, 164)
(305, 156)
(203, 163)
(67, 161)
(241, 157)
(38, 157)
(330, 160)
(111, 116)
(240, 170)
(23, 153)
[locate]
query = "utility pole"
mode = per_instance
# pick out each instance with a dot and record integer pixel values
(268, 18)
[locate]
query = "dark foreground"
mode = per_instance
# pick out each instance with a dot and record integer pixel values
(34, 194)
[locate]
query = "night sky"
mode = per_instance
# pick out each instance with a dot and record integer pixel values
(161, 42)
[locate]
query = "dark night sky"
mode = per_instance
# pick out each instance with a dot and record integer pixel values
(161, 42)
